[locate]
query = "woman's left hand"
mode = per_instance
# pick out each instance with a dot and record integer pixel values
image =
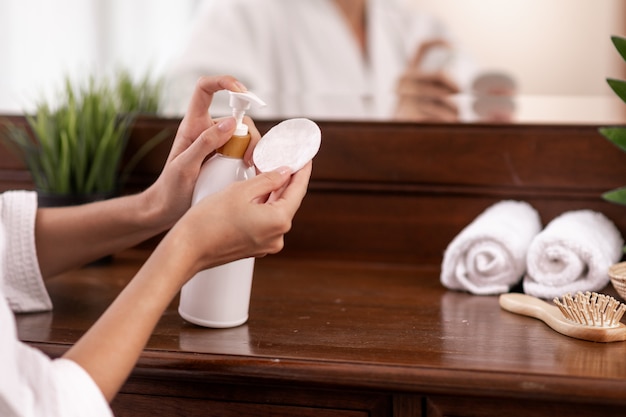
(197, 137)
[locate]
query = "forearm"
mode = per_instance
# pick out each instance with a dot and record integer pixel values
(244, 222)
(111, 347)
(68, 237)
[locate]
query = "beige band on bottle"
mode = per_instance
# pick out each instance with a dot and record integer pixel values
(235, 147)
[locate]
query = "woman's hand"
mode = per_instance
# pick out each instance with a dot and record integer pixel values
(425, 95)
(71, 236)
(197, 137)
(247, 219)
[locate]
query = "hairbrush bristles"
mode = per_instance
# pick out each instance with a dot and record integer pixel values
(591, 309)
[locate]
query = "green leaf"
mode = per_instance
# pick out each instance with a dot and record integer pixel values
(620, 45)
(77, 147)
(65, 165)
(142, 96)
(619, 87)
(617, 135)
(142, 152)
(617, 196)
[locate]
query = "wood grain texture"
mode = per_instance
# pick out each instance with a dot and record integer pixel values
(360, 330)
(394, 192)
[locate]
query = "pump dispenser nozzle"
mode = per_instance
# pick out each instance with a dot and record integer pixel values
(240, 102)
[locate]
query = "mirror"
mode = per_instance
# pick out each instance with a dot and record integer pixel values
(559, 52)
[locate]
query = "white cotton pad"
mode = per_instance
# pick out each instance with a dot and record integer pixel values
(291, 143)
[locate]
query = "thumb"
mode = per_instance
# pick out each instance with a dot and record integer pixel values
(423, 49)
(208, 141)
(264, 184)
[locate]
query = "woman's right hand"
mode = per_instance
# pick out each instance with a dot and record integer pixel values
(247, 219)
(426, 95)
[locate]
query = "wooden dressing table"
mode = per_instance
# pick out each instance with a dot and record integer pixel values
(350, 319)
(330, 338)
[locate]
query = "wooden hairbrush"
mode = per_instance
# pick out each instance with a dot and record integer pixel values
(589, 316)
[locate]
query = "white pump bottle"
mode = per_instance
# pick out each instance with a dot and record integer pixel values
(219, 297)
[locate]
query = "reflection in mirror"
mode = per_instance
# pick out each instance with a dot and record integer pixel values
(520, 109)
(380, 49)
(558, 69)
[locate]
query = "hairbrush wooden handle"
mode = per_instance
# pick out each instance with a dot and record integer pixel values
(534, 307)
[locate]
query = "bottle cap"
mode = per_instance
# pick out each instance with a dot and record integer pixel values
(240, 102)
(291, 143)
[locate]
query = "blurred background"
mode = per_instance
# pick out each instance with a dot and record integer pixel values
(551, 47)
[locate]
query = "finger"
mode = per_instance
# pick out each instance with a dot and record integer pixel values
(206, 87)
(296, 189)
(442, 114)
(423, 49)
(209, 140)
(430, 85)
(439, 110)
(197, 117)
(416, 108)
(261, 186)
(277, 194)
(255, 136)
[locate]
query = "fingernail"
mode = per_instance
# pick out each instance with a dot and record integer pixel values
(283, 170)
(242, 87)
(226, 124)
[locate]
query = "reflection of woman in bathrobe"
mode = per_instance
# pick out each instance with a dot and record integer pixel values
(324, 54)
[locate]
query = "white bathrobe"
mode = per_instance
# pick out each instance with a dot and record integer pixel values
(301, 58)
(31, 384)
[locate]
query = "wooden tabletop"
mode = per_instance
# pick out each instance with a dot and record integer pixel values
(362, 325)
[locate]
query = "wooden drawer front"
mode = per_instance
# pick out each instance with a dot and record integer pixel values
(131, 405)
(171, 396)
(450, 406)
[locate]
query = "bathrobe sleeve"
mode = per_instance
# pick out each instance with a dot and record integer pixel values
(31, 384)
(20, 276)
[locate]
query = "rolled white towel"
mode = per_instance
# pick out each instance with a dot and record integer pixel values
(573, 253)
(489, 255)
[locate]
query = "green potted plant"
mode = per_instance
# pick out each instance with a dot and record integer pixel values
(617, 134)
(74, 151)
(140, 97)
